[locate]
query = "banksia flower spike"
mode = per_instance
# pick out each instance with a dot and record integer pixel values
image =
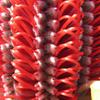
(44, 45)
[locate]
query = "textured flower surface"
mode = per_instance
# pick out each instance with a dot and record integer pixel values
(48, 48)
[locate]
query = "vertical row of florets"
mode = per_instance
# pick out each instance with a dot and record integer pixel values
(6, 47)
(46, 27)
(88, 6)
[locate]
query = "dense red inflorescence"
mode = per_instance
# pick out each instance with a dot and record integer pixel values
(44, 44)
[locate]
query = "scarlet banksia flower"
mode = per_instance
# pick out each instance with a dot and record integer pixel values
(44, 46)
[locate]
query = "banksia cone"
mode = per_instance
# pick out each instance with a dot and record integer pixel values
(44, 44)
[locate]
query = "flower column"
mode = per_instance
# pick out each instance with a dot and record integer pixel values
(67, 51)
(7, 57)
(24, 62)
(95, 55)
(46, 26)
(88, 7)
